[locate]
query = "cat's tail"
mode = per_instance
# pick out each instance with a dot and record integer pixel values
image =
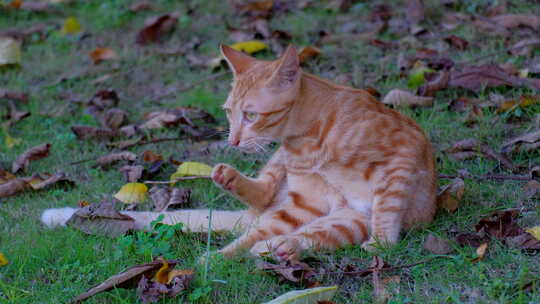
(195, 220)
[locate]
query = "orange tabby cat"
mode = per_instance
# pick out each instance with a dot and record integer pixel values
(349, 170)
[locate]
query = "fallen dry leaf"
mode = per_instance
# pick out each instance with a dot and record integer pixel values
(132, 193)
(13, 187)
(34, 153)
(470, 148)
(480, 252)
(531, 188)
(524, 47)
(191, 169)
(500, 224)
(13, 95)
(476, 78)
(141, 6)
(3, 260)
(156, 28)
(129, 279)
(163, 198)
(526, 142)
(98, 55)
(296, 272)
(101, 219)
(521, 102)
(10, 51)
(437, 245)
(516, 20)
(113, 118)
(10, 185)
(87, 132)
(109, 159)
(104, 99)
(440, 82)
(308, 52)
(450, 196)
(152, 291)
(71, 26)
(151, 156)
(535, 232)
(132, 173)
(399, 97)
(318, 295)
(457, 42)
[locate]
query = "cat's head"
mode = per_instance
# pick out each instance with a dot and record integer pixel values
(262, 95)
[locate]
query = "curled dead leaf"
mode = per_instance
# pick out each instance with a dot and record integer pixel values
(163, 198)
(470, 148)
(113, 118)
(109, 159)
(34, 153)
(101, 54)
(156, 28)
(457, 42)
(526, 142)
(450, 196)
(480, 252)
(437, 245)
(101, 219)
(438, 83)
(132, 173)
(476, 78)
(308, 52)
(398, 97)
(515, 20)
(291, 271)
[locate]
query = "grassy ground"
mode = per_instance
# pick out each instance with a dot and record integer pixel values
(52, 266)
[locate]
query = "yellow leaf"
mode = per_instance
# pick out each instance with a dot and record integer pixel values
(132, 193)
(191, 169)
(3, 260)
(71, 26)
(250, 47)
(166, 275)
(480, 252)
(534, 231)
(311, 295)
(10, 51)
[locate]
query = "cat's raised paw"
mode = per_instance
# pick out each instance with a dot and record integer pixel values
(284, 248)
(224, 176)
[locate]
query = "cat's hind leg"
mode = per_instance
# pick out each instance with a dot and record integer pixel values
(341, 227)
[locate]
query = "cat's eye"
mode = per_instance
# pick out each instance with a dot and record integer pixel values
(250, 116)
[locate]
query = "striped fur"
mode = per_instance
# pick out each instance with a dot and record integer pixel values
(349, 170)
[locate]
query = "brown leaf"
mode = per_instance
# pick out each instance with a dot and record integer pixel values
(308, 52)
(399, 97)
(109, 159)
(517, 20)
(296, 272)
(163, 198)
(476, 78)
(521, 102)
(141, 6)
(87, 132)
(526, 142)
(13, 187)
(13, 95)
(480, 252)
(438, 83)
(104, 99)
(156, 28)
(470, 147)
(34, 153)
(100, 54)
(101, 219)
(126, 279)
(6, 176)
(113, 118)
(45, 180)
(151, 156)
(524, 241)
(524, 47)
(500, 224)
(531, 188)
(469, 239)
(437, 245)
(450, 196)
(457, 42)
(132, 173)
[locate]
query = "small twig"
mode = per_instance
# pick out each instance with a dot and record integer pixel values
(177, 180)
(152, 141)
(490, 177)
(370, 270)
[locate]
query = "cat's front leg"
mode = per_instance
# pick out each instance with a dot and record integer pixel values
(253, 192)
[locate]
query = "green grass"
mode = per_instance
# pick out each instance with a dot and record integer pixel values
(53, 266)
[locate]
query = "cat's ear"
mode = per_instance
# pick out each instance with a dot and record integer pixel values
(238, 61)
(288, 70)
